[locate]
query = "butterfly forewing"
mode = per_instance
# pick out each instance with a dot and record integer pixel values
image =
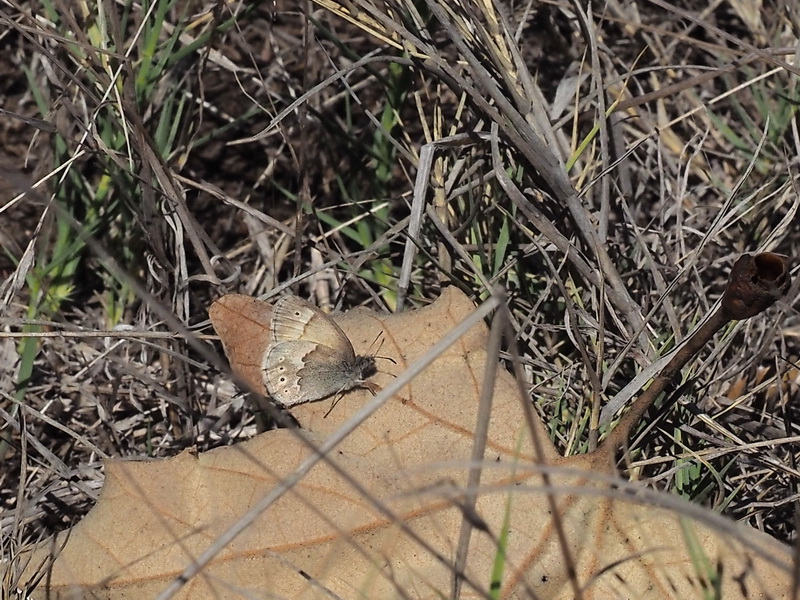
(295, 319)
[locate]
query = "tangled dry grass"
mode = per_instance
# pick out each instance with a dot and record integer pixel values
(605, 167)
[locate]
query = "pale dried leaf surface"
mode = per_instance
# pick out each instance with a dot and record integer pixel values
(412, 455)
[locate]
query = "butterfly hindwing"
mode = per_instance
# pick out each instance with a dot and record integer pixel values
(300, 371)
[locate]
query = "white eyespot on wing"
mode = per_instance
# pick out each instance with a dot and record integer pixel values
(281, 371)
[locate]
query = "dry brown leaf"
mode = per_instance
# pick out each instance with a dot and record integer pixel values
(412, 456)
(246, 320)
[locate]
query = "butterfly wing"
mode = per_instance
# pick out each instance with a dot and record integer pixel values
(295, 319)
(299, 371)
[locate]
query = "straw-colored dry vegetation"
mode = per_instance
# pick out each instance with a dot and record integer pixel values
(604, 168)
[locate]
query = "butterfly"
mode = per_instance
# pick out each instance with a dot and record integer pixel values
(309, 357)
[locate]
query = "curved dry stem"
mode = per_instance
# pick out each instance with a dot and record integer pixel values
(755, 283)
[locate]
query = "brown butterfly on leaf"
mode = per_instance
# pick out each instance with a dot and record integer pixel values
(304, 357)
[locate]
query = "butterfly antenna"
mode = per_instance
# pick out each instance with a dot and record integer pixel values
(378, 337)
(382, 339)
